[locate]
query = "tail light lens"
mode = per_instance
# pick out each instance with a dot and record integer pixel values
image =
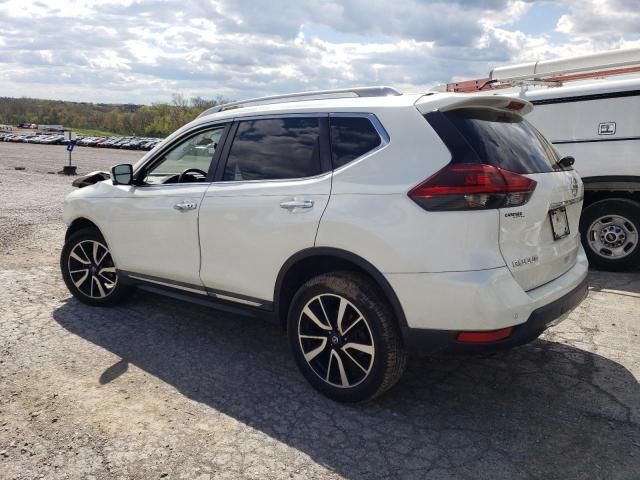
(472, 187)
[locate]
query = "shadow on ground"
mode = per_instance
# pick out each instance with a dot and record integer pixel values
(545, 410)
(620, 283)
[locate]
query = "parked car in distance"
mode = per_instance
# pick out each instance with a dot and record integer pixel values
(369, 223)
(47, 138)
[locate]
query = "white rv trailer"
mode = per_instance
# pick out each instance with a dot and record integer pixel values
(589, 107)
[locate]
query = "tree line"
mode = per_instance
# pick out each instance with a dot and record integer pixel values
(156, 120)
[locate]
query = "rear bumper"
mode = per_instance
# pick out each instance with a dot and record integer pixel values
(418, 340)
(440, 306)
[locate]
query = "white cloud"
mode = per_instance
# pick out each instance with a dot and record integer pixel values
(608, 21)
(144, 50)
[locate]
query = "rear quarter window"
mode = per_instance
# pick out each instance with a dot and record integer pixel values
(351, 137)
(504, 140)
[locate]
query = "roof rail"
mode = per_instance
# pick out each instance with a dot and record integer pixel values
(334, 93)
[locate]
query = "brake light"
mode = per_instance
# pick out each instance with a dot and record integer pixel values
(472, 187)
(514, 105)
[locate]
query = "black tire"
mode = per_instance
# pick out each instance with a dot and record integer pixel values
(377, 371)
(626, 216)
(99, 274)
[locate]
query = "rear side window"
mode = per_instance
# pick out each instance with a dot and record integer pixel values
(276, 148)
(351, 137)
(504, 140)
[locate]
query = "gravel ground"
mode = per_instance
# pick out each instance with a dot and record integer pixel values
(163, 389)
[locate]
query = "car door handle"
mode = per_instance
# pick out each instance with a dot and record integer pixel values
(182, 206)
(293, 204)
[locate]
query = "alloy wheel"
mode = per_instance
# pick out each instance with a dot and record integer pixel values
(91, 269)
(336, 340)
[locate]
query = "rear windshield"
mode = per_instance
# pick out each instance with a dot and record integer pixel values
(505, 140)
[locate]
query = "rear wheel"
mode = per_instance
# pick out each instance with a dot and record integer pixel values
(344, 337)
(611, 234)
(88, 269)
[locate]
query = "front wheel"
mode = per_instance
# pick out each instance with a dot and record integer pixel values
(344, 337)
(611, 234)
(88, 270)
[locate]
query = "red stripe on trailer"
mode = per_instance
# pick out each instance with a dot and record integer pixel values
(480, 84)
(594, 74)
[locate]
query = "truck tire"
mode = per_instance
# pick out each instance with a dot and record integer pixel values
(610, 232)
(344, 337)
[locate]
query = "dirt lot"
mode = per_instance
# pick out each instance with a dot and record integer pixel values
(163, 389)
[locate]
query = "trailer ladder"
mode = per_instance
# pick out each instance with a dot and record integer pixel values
(554, 73)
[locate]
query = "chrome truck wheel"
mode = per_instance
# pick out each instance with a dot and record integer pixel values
(611, 234)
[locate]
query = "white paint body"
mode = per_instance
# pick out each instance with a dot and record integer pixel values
(246, 236)
(450, 270)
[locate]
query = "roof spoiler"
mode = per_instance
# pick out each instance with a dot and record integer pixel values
(498, 102)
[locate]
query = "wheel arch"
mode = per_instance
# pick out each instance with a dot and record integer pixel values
(79, 224)
(315, 261)
(611, 187)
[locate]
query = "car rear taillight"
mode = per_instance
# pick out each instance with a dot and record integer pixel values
(472, 187)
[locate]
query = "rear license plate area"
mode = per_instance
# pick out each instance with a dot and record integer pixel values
(559, 223)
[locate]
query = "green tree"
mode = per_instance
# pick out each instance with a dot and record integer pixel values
(159, 119)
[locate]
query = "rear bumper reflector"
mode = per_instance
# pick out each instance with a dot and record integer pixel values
(484, 337)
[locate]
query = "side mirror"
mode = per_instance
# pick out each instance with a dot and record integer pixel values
(122, 174)
(566, 162)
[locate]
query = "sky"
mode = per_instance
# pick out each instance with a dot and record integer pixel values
(144, 51)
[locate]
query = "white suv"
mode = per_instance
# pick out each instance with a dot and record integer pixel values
(369, 223)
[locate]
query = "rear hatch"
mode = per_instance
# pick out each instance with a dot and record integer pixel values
(539, 238)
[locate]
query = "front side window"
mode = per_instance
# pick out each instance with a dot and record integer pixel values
(275, 148)
(351, 137)
(188, 162)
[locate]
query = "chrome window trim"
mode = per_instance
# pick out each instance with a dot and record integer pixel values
(385, 139)
(270, 116)
(272, 180)
(371, 117)
(171, 185)
(185, 135)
